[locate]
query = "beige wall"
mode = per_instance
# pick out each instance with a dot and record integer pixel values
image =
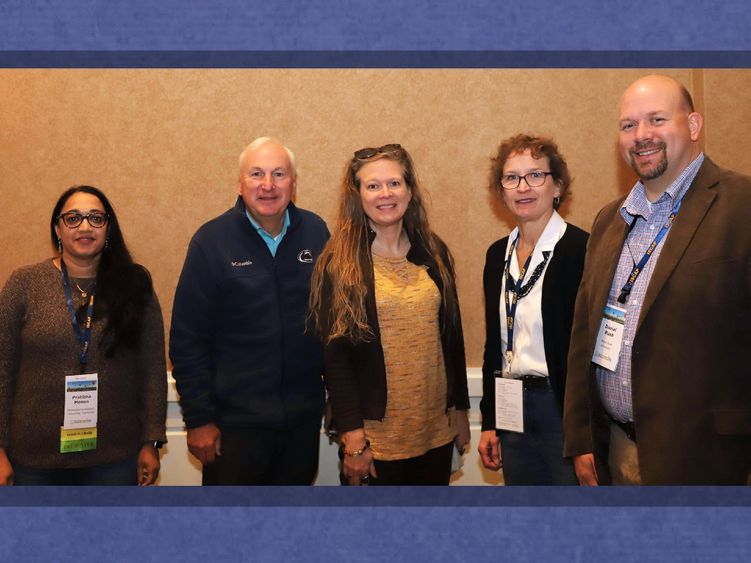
(163, 145)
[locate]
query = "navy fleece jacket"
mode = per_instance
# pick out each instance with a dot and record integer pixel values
(240, 354)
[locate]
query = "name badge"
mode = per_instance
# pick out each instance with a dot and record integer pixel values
(509, 403)
(78, 432)
(610, 337)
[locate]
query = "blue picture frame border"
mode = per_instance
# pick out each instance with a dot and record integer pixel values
(650, 523)
(373, 59)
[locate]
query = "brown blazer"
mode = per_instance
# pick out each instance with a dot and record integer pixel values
(691, 359)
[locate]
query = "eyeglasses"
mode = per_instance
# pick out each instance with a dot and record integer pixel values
(534, 179)
(364, 154)
(72, 219)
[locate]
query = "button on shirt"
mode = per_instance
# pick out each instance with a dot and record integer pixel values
(271, 242)
(615, 387)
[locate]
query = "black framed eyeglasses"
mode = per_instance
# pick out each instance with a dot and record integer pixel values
(370, 152)
(73, 219)
(534, 179)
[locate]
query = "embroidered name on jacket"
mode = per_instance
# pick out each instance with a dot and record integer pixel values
(241, 264)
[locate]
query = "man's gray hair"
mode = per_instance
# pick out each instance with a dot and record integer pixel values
(259, 142)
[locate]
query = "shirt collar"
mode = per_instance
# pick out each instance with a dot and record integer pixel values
(553, 232)
(263, 232)
(550, 236)
(636, 203)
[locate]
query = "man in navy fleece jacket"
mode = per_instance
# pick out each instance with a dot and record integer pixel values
(249, 377)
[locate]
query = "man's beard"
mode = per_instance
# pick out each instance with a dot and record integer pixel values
(649, 171)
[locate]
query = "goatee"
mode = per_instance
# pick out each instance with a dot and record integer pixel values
(649, 171)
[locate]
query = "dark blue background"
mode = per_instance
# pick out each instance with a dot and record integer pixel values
(348, 25)
(672, 524)
(368, 524)
(383, 33)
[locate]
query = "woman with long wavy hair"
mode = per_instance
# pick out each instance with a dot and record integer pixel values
(83, 389)
(383, 299)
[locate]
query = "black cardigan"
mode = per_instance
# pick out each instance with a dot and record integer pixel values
(355, 372)
(559, 288)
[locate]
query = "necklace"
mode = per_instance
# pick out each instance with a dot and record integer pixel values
(84, 292)
(516, 287)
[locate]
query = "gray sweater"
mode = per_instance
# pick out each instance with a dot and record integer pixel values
(38, 348)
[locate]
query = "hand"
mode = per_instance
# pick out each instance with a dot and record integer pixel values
(148, 465)
(460, 421)
(489, 449)
(584, 465)
(357, 468)
(205, 442)
(6, 469)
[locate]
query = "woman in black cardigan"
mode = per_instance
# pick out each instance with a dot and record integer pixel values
(530, 280)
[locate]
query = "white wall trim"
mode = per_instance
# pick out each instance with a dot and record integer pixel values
(180, 468)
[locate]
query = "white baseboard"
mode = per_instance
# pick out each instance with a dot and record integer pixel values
(180, 468)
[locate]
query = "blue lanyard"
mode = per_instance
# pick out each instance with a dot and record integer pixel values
(513, 300)
(84, 336)
(638, 268)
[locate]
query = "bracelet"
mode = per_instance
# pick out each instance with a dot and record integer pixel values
(357, 452)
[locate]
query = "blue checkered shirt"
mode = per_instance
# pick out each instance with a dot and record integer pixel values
(615, 387)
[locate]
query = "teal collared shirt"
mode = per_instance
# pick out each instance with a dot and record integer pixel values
(271, 242)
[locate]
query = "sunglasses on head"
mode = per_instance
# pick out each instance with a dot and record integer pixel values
(370, 152)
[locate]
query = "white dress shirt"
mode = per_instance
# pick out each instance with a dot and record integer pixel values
(529, 346)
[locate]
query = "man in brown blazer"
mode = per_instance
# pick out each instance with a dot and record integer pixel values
(659, 389)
